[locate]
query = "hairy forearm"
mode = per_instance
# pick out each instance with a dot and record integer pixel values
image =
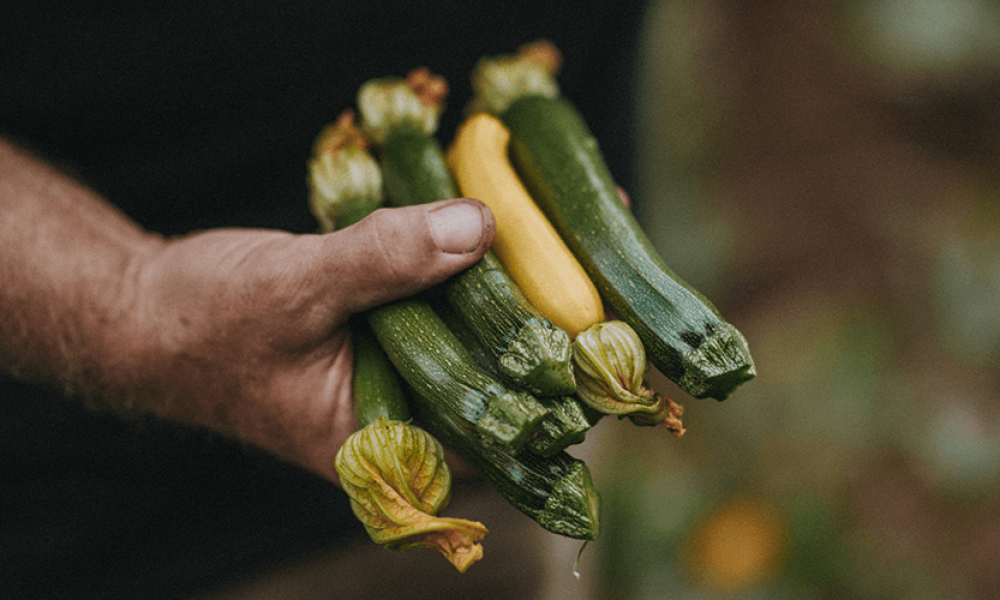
(67, 264)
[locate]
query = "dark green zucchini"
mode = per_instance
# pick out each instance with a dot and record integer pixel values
(556, 491)
(422, 349)
(393, 472)
(684, 334)
(568, 422)
(376, 386)
(569, 418)
(435, 364)
(529, 349)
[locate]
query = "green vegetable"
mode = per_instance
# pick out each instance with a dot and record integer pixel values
(531, 352)
(569, 419)
(556, 491)
(436, 365)
(471, 411)
(393, 472)
(568, 422)
(560, 163)
(421, 348)
(377, 388)
(528, 349)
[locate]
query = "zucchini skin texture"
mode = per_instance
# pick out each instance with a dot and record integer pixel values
(685, 336)
(569, 418)
(530, 350)
(376, 386)
(436, 365)
(413, 168)
(556, 491)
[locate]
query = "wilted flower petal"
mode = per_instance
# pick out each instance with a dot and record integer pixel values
(397, 479)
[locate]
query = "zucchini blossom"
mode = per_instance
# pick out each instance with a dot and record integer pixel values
(610, 363)
(498, 81)
(345, 182)
(417, 100)
(397, 480)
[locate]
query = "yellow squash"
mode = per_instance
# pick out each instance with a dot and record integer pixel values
(526, 243)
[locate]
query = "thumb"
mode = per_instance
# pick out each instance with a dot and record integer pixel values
(397, 252)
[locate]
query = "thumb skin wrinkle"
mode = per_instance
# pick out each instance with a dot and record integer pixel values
(458, 226)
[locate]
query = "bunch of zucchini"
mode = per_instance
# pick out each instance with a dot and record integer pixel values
(513, 360)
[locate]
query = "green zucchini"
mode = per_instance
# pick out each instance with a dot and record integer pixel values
(422, 349)
(394, 472)
(684, 334)
(569, 417)
(435, 364)
(568, 422)
(556, 491)
(414, 170)
(560, 163)
(376, 385)
(530, 350)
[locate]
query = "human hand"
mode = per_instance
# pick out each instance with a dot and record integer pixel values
(243, 331)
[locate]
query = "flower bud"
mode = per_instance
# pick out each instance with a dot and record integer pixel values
(498, 81)
(345, 181)
(386, 102)
(610, 363)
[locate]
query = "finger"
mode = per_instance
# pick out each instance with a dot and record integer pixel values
(397, 252)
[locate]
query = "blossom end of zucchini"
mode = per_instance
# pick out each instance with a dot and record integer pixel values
(541, 360)
(345, 182)
(611, 363)
(397, 480)
(573, 509)
(719, 364)
(511, 419)
(456, 539)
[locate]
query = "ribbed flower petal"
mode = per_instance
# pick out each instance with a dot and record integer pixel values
(610, 363)
(345, 181)
(397, 479)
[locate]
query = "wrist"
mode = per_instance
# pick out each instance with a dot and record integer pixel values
(68, 264)
(109, 367)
